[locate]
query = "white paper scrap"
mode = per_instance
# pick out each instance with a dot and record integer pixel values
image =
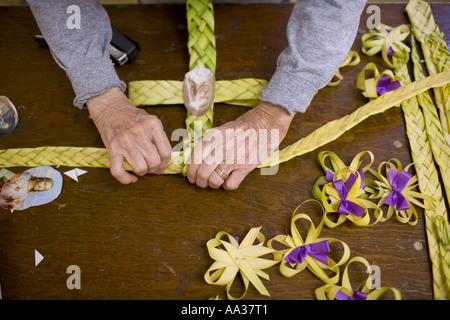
(75, 173)
(37, 257)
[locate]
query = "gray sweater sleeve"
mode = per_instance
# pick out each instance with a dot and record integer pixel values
(82, 53)
(320, 33)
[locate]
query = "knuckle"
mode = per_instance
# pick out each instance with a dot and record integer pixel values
(140, 169)
(230, 185)
(153, 120)
(202, 174)
(214, 184)
(166, 155)
(116, 172)
(153, 166)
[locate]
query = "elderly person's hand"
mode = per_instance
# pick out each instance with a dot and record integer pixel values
(130, 134)
(238, 147)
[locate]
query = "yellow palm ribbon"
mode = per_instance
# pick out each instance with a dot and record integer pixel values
(244, 258)
(346, 292)
(352, 59)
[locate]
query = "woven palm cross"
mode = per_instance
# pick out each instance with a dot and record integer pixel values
(202, 51)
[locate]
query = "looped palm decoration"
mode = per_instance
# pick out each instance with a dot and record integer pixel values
(346, 292)
(308, 252)
(388, 41)
(379, 83)
(341, 191)
(335, 165)
(244, 258)
(394, 187)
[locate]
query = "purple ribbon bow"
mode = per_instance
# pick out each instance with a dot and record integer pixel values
(357, 295)
(316, 250)
(347, 206)
(385, 85)
(330, 176)
(398, 182)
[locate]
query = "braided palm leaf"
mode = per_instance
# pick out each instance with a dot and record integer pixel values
(443, 235)
(69, 157)
(202, 51)
(428, 179)
(439, 146)
(333, 129)
(435, 52)
(242, 92)
(98, 157)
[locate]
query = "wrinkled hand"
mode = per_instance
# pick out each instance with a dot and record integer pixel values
(238, 146)
(130, 134)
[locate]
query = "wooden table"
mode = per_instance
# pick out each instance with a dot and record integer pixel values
(148, 240)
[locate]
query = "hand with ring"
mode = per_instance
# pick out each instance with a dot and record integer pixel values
(227, 154)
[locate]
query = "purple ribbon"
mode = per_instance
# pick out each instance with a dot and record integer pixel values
(398, 182)
(385, 85)
(316, 250)
(357, 295)
(330, 176)
(347, 206)
(390, 52)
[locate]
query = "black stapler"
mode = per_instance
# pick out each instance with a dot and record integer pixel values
(122, 49)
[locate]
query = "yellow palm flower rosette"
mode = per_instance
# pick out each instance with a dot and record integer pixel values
(233, 258)
(346, 292)
(388, 40)
(394, 187)
(310, 252)
(332, 164)
(344, 196)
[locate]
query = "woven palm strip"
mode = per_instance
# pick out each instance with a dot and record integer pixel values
(202, 53)
(436, 55)
(439, 146)
(428, 179)
(98, 157)
(443, 236)
(243, 92)
(69, 157)
(333, 129)
(435, 52)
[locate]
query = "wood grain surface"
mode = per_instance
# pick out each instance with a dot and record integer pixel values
(148, 240)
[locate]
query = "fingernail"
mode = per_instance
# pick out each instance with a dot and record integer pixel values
(191, 180)
(160, 172)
